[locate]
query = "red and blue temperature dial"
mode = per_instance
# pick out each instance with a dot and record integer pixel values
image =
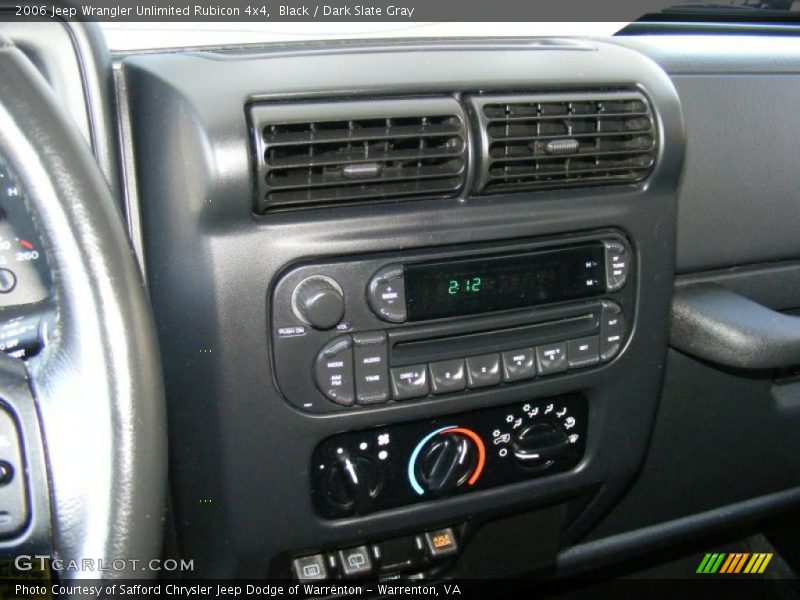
(445, 459)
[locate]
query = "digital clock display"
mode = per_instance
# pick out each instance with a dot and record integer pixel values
(492, 283)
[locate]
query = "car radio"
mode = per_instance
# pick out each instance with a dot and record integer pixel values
(424, 325)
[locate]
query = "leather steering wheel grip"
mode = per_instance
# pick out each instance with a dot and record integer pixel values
(98, 385)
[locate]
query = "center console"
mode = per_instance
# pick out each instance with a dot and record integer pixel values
(406, 314)
(430, 325)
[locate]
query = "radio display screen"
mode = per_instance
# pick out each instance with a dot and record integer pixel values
(458, 287)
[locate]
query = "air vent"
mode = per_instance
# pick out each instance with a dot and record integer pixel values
(559, 141)
(320, 154)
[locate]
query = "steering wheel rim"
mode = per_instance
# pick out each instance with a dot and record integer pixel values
(98, 384)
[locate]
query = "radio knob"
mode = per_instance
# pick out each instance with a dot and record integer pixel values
(318, 301)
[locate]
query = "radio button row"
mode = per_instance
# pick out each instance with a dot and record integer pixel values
(448, 376)
(518, 365)
(410, 382)
(584, 352)
(386, 294)
(333, 371)
(371, 367)
(354, 369)
(483, 371)
(551, 358)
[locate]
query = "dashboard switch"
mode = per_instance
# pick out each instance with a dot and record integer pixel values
(583, 352)
(612, 330)
(551, 358)
(355, 562)
(386, 294)
(441, 543)
(448, 376)
(483, 371)
(617, 265)
(410, 382)
(333, 371)
(518, 364)
(309, 568)
(371, 367)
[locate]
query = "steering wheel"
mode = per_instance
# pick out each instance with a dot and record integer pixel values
(90, 407)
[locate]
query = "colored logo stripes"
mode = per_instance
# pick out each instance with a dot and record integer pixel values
(734, 563)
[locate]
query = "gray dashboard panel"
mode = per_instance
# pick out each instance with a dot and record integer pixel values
(742, 179)
(234, 440)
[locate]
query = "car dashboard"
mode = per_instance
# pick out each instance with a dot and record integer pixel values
(416, 300)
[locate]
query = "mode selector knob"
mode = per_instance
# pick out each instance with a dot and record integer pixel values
(318, 301)
(540, 445)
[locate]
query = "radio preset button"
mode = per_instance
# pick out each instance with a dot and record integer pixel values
(612, 330)
(551, 358)
(518, 364)
(386, 294)
(617, 265)
(371, 367)
(333, 371)
(410, 382)
(448, 376)
(583, 352)
(483, 371)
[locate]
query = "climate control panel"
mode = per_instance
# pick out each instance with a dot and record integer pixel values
(366, 471)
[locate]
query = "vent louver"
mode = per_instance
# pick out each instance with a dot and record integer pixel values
(559, 141)
(317, 154)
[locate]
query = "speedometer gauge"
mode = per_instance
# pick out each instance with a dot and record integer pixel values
(23, 274)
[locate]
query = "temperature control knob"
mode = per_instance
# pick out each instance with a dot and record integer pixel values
(539, 445)
(318, 301)
(445, 460)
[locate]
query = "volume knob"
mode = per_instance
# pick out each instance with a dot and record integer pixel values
(318, 301)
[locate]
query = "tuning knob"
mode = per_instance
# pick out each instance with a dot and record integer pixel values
(318, 301)
(353, 482)
(540, 445)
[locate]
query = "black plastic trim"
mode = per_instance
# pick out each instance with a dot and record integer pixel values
(723, 327)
